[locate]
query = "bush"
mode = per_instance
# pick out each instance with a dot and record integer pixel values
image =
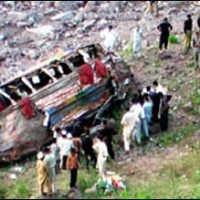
(2, 192)
(19, 190)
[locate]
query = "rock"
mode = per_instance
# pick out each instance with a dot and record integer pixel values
(88, 25)
(102, 24)
(69, 15)
(166, 55)
(91, 6)
(91, 190)
(80, 16)
(10, 3)
(188, 107)
(173, 11)
(43, 31)
(68, 35)
(24, 24)
(68, 5)
(2, 37)
(18, 16)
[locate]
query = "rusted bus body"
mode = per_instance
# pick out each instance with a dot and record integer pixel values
(62, 98)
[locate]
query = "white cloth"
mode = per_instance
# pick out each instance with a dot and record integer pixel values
(110, 40)
(138, 110)
(129, 121)
(67, 145)
(55, 151)
(137, 42)
(102, 155)
(50, 161)
(161, 89)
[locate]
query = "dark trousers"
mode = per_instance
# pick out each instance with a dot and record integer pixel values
(164, 41)
(164, 121)
(110, 150)
(74, 173)
(93, 159)
(57, 167)
(64, 162)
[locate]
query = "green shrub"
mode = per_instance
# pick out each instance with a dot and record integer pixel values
(2, 192)
(19, 190)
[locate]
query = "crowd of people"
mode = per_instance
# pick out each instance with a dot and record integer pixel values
(148, 107)
(68, 151)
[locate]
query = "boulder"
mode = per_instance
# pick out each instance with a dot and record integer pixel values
(43, 31)
(80, 16)
(69, 15)
(188, 107)
(88, 25)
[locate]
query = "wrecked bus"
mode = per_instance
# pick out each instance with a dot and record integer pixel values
(71, 85)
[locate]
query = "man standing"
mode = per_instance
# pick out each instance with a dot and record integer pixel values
(164, 112)
(102, 155)
(50, 161)
(152, 7)
(129, 121)
(188, 24)
(73, 165)
(197, 49)
(67, 145)
(106, 133)
(137, 42)
(198, 22)
(165, 28)
(138, 110)
(87, 144)
(43, 179)
(111, 40)
(148, 107)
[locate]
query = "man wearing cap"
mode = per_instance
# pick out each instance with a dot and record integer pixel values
(50, 161)
(188, 33)
(43, 178)
(67, 144)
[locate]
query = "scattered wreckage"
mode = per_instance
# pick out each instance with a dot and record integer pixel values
(71, 85)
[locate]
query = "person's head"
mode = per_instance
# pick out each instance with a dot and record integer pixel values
(146, 98)
(155, 83)
(127, 109)
(54, 141)
(105, 122)
(46, 150)
(73, 150)
(110, 27)
(58, 130)
(69, 136)
(135, 101)
(87, 132)
(197, 34)
(64, 133)
(160, 94)
(139, 92)
(148, 88)
(189, 16)
(138, 27)
(166, 20)
(40, 156)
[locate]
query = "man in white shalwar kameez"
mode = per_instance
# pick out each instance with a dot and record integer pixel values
(102, 155)
(138, 110)
(137, 42)
(111, 39)
(129, 121)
